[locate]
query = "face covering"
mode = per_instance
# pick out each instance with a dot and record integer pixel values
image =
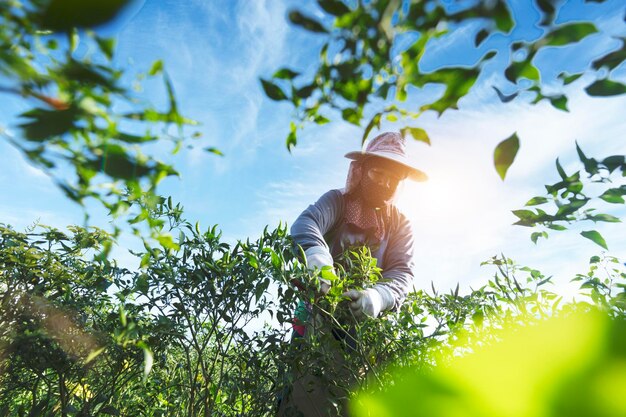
(379, 193)
(374, 194)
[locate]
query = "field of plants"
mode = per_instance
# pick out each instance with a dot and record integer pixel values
(82, 337)
(203, 326)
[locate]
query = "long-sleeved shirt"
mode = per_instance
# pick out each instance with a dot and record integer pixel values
(322, 233)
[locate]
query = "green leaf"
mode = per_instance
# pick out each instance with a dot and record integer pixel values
(603, 218)
(536, 235)
(481, 36)
(171, 97)
(74, 39)
(334, 7)
(614, 195)
(613, 162)
(505, 153)
(320, 120)
(569, 33)
(611, 60)
(591, 165)
(63, 15)
(328, 274)
(93, 355)
(167, 241)
(526, 217)
(273, 91)
(145, 260)
(214, 150)
(488, 56)
(595, 237)
(87, 74)
(142, 284)
(123, 320)
(458, 82)
(276, 262)
(502, 17)
(570, 208)
(522, 69)
(292, 138)
(306, 22)
(156, 68)
(556, 227)
(375, 122)
(604, 88)
(306, 91)
(416, 133)
(351, 115)
(151, 115)
(285, 74)
(115, 162)
(535, 201)
(508, 373)
(45, 124)
(568, 79)
(559, 102)
(107, 46)
(560, 170)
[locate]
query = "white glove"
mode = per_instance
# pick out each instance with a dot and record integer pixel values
(369, 302)
(318, 257)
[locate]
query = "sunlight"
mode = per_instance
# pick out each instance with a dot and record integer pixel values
(463, 194)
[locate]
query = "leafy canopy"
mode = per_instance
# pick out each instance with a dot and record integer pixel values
(374, 52)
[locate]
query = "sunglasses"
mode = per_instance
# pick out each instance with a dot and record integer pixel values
(384, 175)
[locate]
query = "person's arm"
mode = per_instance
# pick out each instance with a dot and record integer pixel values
(398, 265)
(313, 223)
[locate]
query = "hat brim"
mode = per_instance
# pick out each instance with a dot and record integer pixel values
(414, 173)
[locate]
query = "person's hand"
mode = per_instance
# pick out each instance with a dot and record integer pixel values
(368, 302)
(319, 258)
(324, 286)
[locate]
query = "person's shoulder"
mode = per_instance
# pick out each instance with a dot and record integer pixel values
(332, 195)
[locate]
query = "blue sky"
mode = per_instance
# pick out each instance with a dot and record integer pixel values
(215, 51)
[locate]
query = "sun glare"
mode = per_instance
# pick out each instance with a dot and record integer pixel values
(457, 198)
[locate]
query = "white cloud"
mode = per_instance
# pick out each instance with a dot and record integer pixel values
(463, 216)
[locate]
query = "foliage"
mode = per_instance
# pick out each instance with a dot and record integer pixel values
(571, 199)
(184, 336)
(376, 50)
(85, 116)
(67, 345)
(203, 296)
(605, 285)
(571, 365)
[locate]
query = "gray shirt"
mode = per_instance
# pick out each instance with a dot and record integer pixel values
(321, 229)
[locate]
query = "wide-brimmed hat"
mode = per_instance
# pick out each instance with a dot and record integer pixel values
(391, 146)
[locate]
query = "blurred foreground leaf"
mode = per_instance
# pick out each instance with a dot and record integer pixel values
(568, 366)
(63, 15)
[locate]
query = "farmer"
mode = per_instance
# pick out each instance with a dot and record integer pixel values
(363, 213)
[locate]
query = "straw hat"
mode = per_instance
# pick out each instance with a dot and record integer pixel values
(391, 146)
